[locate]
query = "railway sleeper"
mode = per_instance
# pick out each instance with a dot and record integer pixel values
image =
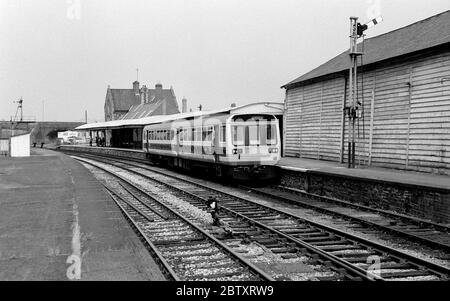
(390, 265)
(279, 250)
(331, 242)
(338, 247)
(312, 235)
(299, 230)
(168, 243)
(317, 239)
(401, 274)
(353, 258)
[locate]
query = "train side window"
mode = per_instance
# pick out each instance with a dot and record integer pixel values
(207, 133)
(223, 133)
(198, 136)
(238, 134)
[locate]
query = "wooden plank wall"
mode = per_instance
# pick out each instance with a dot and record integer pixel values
(410, 122)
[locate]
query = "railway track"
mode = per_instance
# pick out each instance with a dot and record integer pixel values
(366, 218)
(182, 250)
(364, 259)
(415, 229)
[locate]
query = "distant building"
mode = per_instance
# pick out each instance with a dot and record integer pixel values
(73, 137)
(139, 102)
(404, 88)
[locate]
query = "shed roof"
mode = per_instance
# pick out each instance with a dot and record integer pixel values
(427, 33)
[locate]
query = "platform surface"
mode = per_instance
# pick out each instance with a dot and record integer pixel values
(370, 173)
(51, 207)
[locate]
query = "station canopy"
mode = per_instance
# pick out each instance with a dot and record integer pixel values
(274, 108)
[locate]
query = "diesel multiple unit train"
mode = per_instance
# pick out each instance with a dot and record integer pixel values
(237, 142)
(242, 144)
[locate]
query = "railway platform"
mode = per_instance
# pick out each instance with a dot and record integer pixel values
(55, 219)
(419, 194)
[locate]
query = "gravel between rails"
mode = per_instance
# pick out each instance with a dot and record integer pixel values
(273, 264)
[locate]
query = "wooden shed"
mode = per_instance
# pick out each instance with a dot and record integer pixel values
(404, 87)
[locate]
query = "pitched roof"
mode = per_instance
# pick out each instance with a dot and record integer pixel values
(127, 100)
(142, 110)
(123, 99)
(427, 33)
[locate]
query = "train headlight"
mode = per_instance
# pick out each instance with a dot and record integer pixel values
(273, 150)
(237, 151)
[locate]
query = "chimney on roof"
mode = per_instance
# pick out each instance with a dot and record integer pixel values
(136, 87)
(233, 105)
(184, 105)
(158, 86)
(144, 94)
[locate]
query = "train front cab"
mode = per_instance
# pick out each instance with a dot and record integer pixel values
(254, 147)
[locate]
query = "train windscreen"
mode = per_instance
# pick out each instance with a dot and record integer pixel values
(254, 131)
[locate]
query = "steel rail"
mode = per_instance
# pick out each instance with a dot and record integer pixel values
(439, 270)
(163, 264)
(413, 220)
(251, 267)
(367, 223)
(351, 269)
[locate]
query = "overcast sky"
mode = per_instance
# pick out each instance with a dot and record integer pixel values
(64, 54)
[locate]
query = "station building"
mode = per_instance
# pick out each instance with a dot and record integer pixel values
(139, 102)
(134, 103)
(404, 90)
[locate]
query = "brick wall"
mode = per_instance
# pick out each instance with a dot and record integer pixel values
(411, 200)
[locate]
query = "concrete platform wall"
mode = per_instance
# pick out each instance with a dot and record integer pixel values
(422, 202)
(106, 151)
